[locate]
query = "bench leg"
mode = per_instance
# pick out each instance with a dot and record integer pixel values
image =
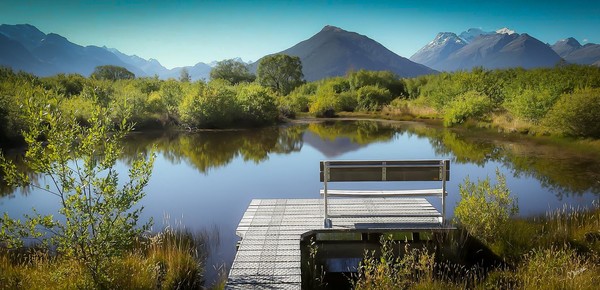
(327, 223)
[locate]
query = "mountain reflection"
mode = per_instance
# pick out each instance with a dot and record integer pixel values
(566, 168)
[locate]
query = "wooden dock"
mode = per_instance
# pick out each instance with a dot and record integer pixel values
(268, 255)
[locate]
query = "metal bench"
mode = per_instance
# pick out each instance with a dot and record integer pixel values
(435, 171)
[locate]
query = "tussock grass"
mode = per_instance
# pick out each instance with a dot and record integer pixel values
(560, 250)
(170, 259)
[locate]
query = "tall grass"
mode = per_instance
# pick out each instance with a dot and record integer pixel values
(171, 259)
(560, 250)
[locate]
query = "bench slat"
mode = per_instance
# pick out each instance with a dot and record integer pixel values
(411, 170)
(383, 193)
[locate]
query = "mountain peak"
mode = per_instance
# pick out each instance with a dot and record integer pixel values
(505, 30)
(569, 41)
(332, 28)
(444, 37)
(473, 33)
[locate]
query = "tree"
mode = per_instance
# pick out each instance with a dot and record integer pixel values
(184, 75)
(99, 221)
(112, 73)
(232, 71)
(280, 72)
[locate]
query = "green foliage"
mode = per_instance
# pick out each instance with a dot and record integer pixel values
(209, 106)
(298, 100)
(112, 73)
(469, 105)
(257, 105)
(531, 104)
(383, 79)
(280, 72)
(166, 100)
(577, 114)
(99, 221)
(67, 85)
(372, 97)
(324, 102)
(483, 209)
(233, 71)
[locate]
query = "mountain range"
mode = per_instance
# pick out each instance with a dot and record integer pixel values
(330, 52)
(24, 47)
(503, 48)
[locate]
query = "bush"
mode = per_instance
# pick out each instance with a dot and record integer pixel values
(325, 104)
(383, 79)
(468, 105)
(209, 106)
(257, 105)
(577, 114)
(530, 104)
(483, 209)
(373, 97)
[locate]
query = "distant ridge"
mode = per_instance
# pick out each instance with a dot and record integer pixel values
(24, 47)
(572, 51)
(501, 49)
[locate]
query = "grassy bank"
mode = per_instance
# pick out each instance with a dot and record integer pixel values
(171, 259)
(560, 250)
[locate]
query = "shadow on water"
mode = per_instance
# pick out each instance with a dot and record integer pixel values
(333, 259)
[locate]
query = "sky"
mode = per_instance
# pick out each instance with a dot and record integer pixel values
(185, 32)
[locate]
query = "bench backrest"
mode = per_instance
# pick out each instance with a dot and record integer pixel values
(397, 170)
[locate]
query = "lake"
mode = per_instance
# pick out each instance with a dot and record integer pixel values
(204, 181)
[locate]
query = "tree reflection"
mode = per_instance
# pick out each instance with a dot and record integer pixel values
(212, 149)
(565, 168)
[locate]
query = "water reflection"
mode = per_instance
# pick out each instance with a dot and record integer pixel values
(207, 150)
(563, 168)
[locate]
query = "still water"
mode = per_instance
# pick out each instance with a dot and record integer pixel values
(204, 181)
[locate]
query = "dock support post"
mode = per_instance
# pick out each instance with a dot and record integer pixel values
(444, 177)
(326, 220)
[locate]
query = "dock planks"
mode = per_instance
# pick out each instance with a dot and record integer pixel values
(268, 256)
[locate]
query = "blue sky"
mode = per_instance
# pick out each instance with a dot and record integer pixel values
(180, 32)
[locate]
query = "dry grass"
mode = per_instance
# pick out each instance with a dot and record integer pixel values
(171, 259)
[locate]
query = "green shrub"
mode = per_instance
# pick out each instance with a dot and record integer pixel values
(577, 114)
(257, 105)
(468, 105)
(347, 101)
(484, 210)
(325, 104)
(373, 97)
(209, 106)
(530, 104)
(382, 79)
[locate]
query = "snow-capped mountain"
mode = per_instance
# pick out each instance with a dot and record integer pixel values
(501, 49)
(473, 33)
(438, 49)
(505, 30)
